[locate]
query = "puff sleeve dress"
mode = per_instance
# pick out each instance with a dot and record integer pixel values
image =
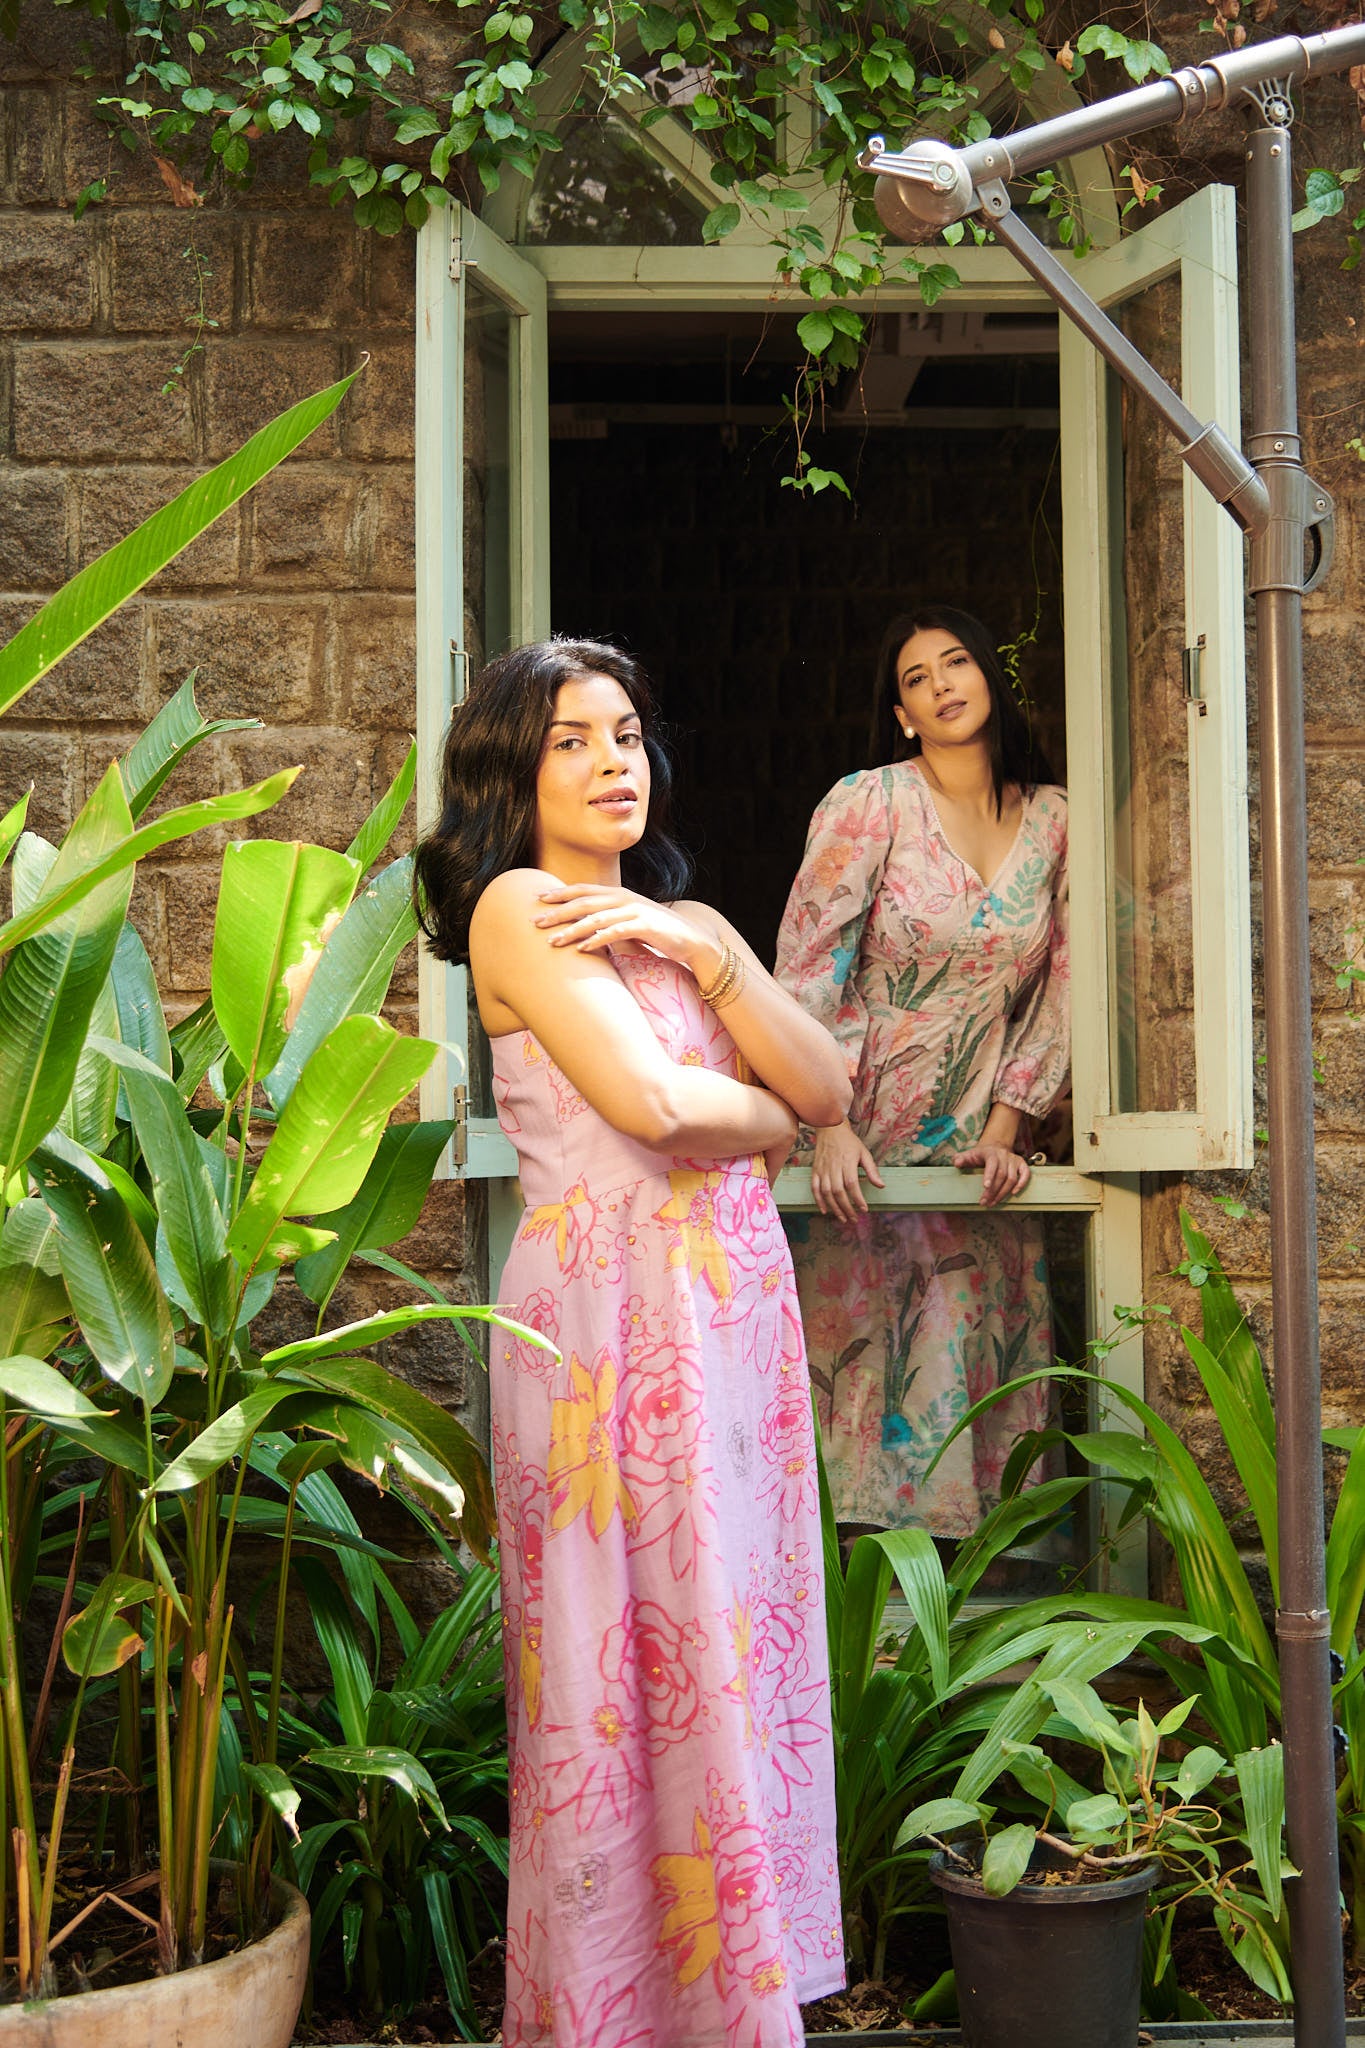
(948, 994)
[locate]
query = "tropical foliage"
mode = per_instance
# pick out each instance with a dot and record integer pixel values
(156, 1181)
(937, 1711)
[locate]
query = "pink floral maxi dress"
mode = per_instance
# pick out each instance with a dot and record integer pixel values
(673, 1872)
(947, 996)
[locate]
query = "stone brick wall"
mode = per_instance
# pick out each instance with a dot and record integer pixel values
(297, 606)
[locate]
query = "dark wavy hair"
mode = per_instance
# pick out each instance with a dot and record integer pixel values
(1015, 754)
(488, 787)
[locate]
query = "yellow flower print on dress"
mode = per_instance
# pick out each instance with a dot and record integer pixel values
(529, 1662)
(741, 1619)
(689, 1930)
(582, 1470)
(693, 1209)
(556, 1216)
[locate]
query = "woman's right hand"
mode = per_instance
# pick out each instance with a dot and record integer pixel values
(841, 1158)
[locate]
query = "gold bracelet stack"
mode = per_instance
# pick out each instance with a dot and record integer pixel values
(728, 982)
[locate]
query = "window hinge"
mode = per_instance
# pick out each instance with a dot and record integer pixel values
(459, 1138)
(459, 673)
(1192, 674)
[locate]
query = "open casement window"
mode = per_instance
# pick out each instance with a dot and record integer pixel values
(483, 551)
(1156, 720)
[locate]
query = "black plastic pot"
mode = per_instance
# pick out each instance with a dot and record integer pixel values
(1047, 1966)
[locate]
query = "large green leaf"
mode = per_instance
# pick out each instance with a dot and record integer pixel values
(159, 749)
(33, 1303)
(90, 1113)
(329, 1129)
(223, 1438)
(141, 1019)
(379, 828)
(186, 1204)
(385, 1207)
(277, 903)
(66, 887)
(88, 599)
(52, 982)
(98, 1639)
(354, 972)
(109, 1272)
(197, 1042)
(12, 824)
(1260, 1773)
(1006, 1859)
(1252, 1452)
(353, 1682)
(40, 1390)
(376, 1761)
(361, 1381)
(389, 1322)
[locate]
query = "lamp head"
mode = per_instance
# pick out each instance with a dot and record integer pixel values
(921, 189)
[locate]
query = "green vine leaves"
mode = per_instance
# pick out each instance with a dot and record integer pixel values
(782, 94)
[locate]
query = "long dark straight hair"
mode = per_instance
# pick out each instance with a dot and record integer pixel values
(1015, 755)
(488, 787)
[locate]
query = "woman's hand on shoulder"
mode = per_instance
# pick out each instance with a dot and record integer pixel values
(841, 1158)
(591, 917)
(1004, 1171)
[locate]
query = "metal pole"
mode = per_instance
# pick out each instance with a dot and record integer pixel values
(1277, 580)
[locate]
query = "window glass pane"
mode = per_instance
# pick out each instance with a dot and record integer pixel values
(604, 186)
(1152, 1049)
(490, 339)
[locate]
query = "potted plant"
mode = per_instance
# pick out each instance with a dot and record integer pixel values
(140, 1235)
(1046, 1914)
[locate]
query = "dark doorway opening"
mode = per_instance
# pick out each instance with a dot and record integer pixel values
(757, 608)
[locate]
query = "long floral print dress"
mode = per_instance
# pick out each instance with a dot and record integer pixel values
(673, 1871)
(947, 996)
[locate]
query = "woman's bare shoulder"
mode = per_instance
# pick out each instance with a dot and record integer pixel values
(511, 894)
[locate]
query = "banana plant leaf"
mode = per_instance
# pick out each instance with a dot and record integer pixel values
(32, 1293)
(109, 1272)
(47, 1395)
(384, 1208)
(141, 1019)
(353, 974)
(99, 1639)
(52, 983)
(223, 1438)
(197, 1043)
(379, 828)
(433, 1429)
(69, 883)
(158, 750)
(329, 1129)
(89, 598)
(12, 824)
(90, 1113)
(187, 1208)
(277, 902)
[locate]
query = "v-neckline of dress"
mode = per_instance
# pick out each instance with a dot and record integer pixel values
(1025, 806)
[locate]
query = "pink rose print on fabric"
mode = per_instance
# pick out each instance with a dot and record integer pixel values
(529, 2012)
(788, 1450)
(608, 2016)
(568, 1102)
(539, 1312)
(649, 1667)
(530, 1813)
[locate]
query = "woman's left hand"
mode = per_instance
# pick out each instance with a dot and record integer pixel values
(1004, 1171)
(593, 916)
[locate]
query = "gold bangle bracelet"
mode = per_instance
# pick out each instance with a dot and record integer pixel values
(729, 961)
(735, 987)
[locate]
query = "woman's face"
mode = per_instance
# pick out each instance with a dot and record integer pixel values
(942, 695)
(592, 786)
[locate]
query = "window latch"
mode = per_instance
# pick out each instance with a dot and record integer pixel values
(459, 1137)
(1192, 674)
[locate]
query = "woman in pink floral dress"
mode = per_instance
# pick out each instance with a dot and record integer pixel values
(673, 1871)
(927, 929)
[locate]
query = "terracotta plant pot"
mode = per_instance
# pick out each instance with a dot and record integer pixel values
(1047, 1966)
(249, 1999)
